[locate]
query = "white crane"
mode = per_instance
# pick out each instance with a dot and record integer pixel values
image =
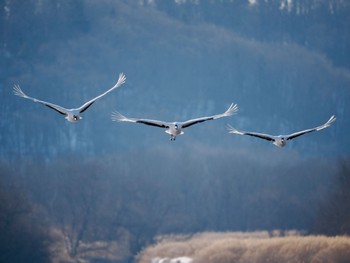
(281, 140)
(72, 115)
(175, 128)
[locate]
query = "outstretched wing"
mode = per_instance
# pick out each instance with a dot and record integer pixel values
(116, 116)
(254, 134)
(18, 92)
(230, 111)
(121, 80)
(297, 134)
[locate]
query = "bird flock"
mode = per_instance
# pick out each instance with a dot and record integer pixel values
(172, 128)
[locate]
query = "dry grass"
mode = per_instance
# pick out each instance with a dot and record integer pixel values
(257, 247)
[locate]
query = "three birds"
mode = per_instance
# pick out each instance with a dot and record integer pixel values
(172, 128)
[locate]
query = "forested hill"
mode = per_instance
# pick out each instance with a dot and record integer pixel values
(286, 63)
(318, 25)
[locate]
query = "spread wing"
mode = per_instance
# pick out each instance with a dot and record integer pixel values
(121, 80)
(254, 134)
(297, 134)
(116, 116)
(230, 111)
(18, 92)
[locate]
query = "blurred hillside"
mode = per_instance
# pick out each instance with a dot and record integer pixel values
(182, 61)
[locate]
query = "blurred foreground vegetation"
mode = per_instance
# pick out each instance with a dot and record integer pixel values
(115, 207)
(252, 247)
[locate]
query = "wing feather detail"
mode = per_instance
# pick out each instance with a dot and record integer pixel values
(85, 106)
(229, 112)
(116, 116)
(321, 127)
(18, 92)
(254, 134)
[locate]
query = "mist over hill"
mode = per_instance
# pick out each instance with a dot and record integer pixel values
(176, 69)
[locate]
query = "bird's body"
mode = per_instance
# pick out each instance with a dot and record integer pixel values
(174, 128)
(74, 114)
(281, 140)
